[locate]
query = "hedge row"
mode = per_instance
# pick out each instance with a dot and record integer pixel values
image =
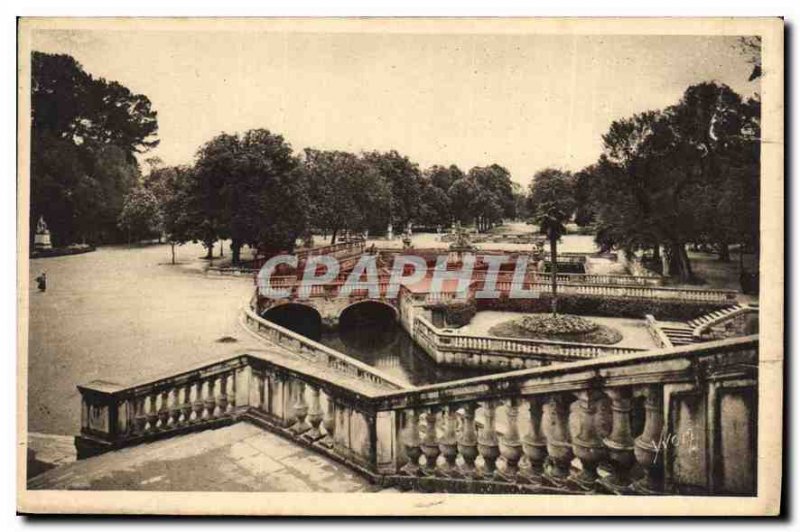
(456, 314)
(615, 307)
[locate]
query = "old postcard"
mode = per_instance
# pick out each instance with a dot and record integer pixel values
(400, 266)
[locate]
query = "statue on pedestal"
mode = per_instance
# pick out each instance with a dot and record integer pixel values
(41, 239)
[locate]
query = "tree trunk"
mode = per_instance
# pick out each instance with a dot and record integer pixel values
(333, 237)
(172, 248)
(221, 248)
(553, 275)
(236, 251)
(724, 252)
(209, 250)
(679, 262)
(656, 252)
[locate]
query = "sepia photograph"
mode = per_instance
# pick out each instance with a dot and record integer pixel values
(400, 266)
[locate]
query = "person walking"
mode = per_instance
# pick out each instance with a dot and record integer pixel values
(41, 282)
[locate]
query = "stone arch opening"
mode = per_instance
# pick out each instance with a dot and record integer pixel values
(298, 318)
(368, 325)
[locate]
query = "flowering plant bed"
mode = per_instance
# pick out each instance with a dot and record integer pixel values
(563, 327)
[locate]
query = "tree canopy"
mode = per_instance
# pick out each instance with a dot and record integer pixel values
(85, 132)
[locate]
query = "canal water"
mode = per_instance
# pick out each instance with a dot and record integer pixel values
(390, 349)
(370, 333)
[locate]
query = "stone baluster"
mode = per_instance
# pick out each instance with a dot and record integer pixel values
(448, 443)
(329, 422)
(152, 413)
(208, 400)
(198, 406)
(411, 443)
(314, 415)
(163, 410)
(586, 444)
(141, 415)
(559, 447)
(186, 406)
(487, 440)
(300, 408)
(175, 408)
(222, 397)
(430, 446)
(510, 444)
(231, 391)
(620, 442)
(534, 444)
(645, 447)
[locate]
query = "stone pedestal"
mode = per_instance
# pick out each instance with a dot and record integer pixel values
(42, 241)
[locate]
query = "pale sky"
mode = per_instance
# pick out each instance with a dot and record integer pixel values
(523, 101)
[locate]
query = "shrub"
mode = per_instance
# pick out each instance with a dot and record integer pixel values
(456, 314)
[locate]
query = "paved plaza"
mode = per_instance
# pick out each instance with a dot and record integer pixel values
(240, 457)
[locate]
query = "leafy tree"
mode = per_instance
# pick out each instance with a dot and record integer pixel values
(676, 176)
(443, 177)
(552, 202)
(584, 214)
(249, 188)
(434, 208)
(462, 195)
(170, 186)
(85, 132)
(403, 178)
(495, 180)
(338, 186)
(140, 216)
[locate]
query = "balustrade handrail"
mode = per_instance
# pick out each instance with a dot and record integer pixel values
(156, 384)
(692, 294)
(541, 380)
(698, 331)
(332, 353)
(523, 341)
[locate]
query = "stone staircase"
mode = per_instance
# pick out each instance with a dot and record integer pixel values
(683, 333)
(714, 316)
(679, 334)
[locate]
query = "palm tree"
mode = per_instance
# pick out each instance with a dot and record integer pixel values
(552, 203)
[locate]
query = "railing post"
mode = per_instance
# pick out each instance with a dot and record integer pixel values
(411, 443)
(646, 448)
(511, 446)
(329, 422)
(101, 410)
(448, 444)
(620, 442)
(314, 415)
(300, 408)
(468, 443)
(534, 444)
(558, 445)
(487, 440)
(430, 447)
(586, 444)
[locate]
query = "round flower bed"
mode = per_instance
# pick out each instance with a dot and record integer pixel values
(562, 327)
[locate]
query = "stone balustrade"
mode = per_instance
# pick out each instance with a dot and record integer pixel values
(319, 353)
(634, 292)
(682, 420)
(205, 396)
(656, 333)
(498, 353)
(673, 421)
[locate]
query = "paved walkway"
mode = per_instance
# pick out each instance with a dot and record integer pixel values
(240, 457)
